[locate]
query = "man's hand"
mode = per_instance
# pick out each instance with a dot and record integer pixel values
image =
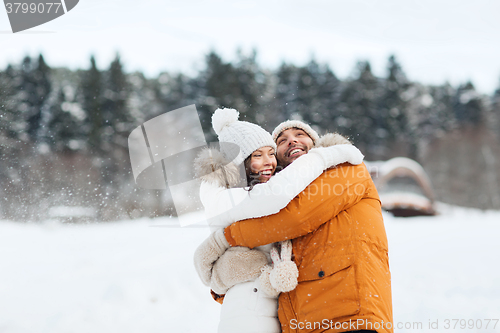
(207, 254)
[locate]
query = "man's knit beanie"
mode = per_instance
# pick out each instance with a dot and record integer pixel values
(295, 124)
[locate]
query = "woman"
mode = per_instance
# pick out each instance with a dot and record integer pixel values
(251, 306)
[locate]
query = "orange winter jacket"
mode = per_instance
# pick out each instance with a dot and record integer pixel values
(340, 248)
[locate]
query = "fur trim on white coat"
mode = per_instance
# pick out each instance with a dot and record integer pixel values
(212, 167)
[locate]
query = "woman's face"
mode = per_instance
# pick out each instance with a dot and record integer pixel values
(263, 162)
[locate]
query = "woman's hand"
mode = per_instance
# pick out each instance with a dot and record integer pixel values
(207, 254)
(220, 266)
(237, 265)
(339, 154)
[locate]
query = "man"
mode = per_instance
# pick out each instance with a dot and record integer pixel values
(339, 245)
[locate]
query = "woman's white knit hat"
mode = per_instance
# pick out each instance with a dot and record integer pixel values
(295, 124)
(249, 137)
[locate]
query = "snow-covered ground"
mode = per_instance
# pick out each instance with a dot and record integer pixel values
(137, 276)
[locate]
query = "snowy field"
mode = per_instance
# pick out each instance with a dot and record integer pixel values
(137, 276)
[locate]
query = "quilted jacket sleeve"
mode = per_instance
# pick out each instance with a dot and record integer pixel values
(333, 192)
(270, 197)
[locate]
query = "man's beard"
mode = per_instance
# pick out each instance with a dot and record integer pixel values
(283, 163)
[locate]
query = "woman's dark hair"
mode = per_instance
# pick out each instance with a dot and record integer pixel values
(253, 178)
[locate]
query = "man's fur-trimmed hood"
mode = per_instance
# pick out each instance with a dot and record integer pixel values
(212, 167)
(332, 139)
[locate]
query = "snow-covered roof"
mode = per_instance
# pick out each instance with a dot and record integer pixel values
(384, 171)
(403, 162)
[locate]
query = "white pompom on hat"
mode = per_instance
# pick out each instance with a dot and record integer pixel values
(249, 137)
(222, 118)
(295, 124)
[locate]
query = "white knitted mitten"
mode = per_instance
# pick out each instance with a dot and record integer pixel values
(237, 265)
(207, 254)
(265, 282)
(284, 274)
(339, 154)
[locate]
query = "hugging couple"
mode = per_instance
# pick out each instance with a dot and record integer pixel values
(301, 250)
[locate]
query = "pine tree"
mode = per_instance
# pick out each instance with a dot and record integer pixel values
(495, 106)
(176, 91)
(25, 101)
(115, 113)
(393, 106)
(358, 107)
(63, 127)
(11, 128)
(238, 86)
(468, 105)
(34, 88)
(442, 117)
(308, 83)
(220, 89)
(287, 91)
(91, 91)
(144, 102)
(327, 101)
(9, 123)
(310, 93)
(393, 124)
(169, 90)
(250, 81)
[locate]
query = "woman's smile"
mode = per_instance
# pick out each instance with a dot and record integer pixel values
(263, 163)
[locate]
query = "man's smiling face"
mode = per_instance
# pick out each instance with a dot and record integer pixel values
(292, 143)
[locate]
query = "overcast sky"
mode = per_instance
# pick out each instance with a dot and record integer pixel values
(435, 41)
